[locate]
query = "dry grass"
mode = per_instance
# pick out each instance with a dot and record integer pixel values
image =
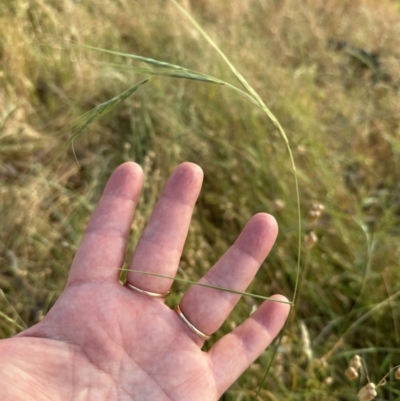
(341, 115)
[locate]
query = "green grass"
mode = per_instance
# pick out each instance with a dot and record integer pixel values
(343, 126)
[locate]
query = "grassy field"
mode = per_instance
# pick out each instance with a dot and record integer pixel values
(328, 70)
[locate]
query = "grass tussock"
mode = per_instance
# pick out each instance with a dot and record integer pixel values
(329, 71)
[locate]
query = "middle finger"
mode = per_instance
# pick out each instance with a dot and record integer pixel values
(160, 246)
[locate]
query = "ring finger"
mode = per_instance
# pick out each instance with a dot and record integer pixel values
(206, 308)
(160, 246)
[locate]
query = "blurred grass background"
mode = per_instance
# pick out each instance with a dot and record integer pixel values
(329, 71)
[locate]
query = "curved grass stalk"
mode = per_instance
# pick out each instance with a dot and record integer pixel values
(256, 99)
(275, 121)
(163, 69)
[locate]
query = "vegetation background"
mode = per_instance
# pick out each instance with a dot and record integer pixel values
(328, 69)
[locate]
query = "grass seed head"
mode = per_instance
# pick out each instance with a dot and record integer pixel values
(367, 393)
(305, 336)
(278, 205)
(355, 362)
(311, 239)
(313, 216)
(397, 374)
(318, 206)
(351, 373)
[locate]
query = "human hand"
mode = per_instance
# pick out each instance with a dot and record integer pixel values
(106, 341)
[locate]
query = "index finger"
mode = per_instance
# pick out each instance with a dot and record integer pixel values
(102, 250)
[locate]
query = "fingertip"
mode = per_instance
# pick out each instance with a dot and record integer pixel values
(282, 302)
(259, 235)
(186, 179)
(191, 170)
(130, 168)
(273, 312)
(266, 223)
(125, 181)
(190, 165)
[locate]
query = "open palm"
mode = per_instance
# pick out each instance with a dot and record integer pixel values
(106, 341)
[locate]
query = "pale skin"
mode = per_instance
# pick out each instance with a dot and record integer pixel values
(105, 341)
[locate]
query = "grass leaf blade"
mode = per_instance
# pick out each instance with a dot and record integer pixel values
(95, 114)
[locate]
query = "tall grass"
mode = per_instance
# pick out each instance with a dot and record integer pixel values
(343, 125)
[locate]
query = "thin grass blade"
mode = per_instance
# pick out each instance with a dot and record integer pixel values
(12, 321)
(95, 114)
(215, 287)
(146, 60)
